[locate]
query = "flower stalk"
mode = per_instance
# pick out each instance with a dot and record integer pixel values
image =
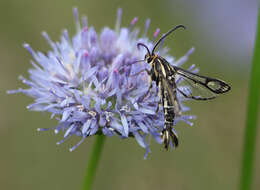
(93, 162)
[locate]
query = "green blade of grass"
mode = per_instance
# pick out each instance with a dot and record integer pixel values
(251, 120)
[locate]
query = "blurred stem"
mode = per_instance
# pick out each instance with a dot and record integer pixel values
(93, 162)
(252, 113)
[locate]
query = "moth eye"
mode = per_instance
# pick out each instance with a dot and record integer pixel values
(149, 59)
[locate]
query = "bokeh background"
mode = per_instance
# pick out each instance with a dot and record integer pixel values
(209, 155)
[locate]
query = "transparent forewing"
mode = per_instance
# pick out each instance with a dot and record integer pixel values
(189, 89)
(199, 87)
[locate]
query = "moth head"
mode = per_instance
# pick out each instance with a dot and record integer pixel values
(148, 58)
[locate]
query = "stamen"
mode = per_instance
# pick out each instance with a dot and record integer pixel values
(44, 129)
(48, 39)
(85, 29)
(84, 37)
(79, 143)
(31, 51)
(184, 58)
(62, 65)
(108, 115)
(56, 131)
(92, 113)
(156, 33)
(76, 15)
(191, 67)
(190, 51)
(62, 141)
(118, 19)
(20, 90)
(116, 71)
(85, 54)
(133, 22)
(66, 35)
(147, 24)
(25, 81)
(125, 108)
(84, 21)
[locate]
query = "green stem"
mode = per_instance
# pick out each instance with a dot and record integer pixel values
(252, 113)
(93, 162)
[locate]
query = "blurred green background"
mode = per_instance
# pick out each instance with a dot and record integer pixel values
(209, 155)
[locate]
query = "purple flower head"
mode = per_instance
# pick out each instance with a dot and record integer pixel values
(90, 83)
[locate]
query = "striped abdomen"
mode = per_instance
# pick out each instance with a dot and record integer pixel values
(169, 116)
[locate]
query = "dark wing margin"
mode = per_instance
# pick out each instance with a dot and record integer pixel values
(199, 87)
(214, 85)
(190, 89)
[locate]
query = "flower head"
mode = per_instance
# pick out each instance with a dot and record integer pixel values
(90, 83)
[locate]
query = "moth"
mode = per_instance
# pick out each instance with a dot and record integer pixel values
(165, 76)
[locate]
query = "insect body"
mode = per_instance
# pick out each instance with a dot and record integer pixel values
(165, 77)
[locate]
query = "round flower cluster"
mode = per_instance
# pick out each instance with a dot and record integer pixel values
(90, 83)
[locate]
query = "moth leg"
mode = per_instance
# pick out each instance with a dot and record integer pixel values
(150, 87)
(160, 98)
(158, 106)
(159, 102)
(150, 82)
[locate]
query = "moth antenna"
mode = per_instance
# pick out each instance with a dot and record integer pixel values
(145, 46)
(167, 34)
